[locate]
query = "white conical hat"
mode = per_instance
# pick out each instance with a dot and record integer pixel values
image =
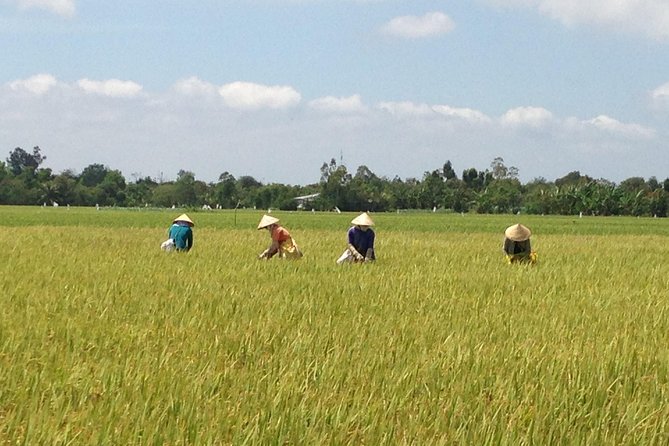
(517, 233)
(363, 220)
(184, 218)
(267, 220)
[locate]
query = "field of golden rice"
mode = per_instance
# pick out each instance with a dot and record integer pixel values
(106, 340)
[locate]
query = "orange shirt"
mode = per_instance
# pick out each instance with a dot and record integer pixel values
(280, 234)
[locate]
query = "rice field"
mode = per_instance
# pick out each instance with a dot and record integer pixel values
(106, 340)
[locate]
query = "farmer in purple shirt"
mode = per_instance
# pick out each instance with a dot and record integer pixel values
(360, 241)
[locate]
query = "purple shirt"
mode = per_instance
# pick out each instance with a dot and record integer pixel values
(361, 240)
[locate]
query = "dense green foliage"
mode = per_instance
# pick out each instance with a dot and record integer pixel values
(106, 340)
(489, 191)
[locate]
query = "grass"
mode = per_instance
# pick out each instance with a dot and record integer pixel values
(106, 340)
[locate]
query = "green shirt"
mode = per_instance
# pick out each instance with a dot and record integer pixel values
(182, 236)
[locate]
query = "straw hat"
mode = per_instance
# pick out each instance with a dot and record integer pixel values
(363, 220)
(517, 233)
(267, 220)
(185, 219)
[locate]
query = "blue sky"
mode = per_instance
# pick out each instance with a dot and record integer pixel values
(274, 88)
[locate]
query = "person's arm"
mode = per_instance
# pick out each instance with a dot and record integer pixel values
(369, 255)
(189, 240)
(351, 248)
(271, 251)
(508, 246)
(355, 252)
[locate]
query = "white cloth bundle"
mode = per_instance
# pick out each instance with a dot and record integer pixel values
(167, 245)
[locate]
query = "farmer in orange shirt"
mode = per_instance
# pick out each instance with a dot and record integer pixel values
(282, 242)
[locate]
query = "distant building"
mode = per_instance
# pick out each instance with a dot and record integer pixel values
(305, 199)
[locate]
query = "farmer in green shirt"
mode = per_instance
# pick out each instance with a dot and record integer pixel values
(180, 234)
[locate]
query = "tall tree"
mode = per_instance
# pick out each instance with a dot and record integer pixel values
(335, 182)
(327, 170)
(184, 187)
(113, 188)
(20, 160)
(225, 191)
(432, 190)
(140, 192)
(501, 172)
(448, 171)
(573, 178)
(93, 175)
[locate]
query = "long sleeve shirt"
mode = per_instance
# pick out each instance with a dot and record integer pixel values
(182, 234)
(361, 240)
(520, 249)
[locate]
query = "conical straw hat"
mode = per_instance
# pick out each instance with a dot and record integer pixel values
(184, 218)
(517, 233)
(267, 220)
(363, 220)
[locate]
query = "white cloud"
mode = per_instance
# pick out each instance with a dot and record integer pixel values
(38, 84)
(148, 135)
(533, 117)
(467, 114)
(351, 104)
(410, 109)
(194, 86)
(113, 88)
(537, 118)
(240, 95)
(65, 8)
(405, 109)
(649, 17)
(248, 95)
(41, 84)
(615, 127)
(413, 27)
(661, 93)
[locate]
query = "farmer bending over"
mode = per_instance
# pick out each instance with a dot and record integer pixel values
(282, 243)
(517, 244)
(360, 241)
(180, 234)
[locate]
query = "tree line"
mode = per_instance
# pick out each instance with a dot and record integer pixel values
(496, 189)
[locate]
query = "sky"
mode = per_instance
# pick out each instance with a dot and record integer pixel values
(275, 88)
